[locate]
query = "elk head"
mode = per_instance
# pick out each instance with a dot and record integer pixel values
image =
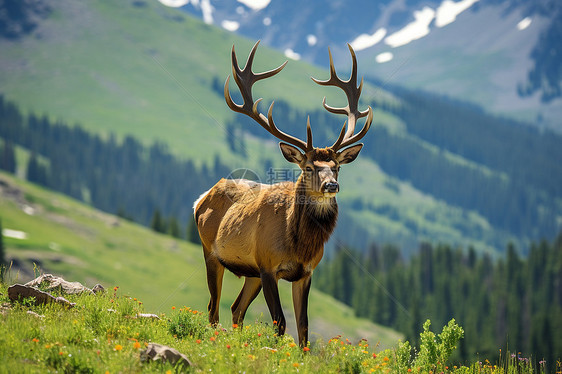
(320, 166)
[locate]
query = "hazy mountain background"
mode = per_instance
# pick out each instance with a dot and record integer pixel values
(503, 55)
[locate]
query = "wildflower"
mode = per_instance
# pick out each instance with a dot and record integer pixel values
(386, 359)
(35, 340)
(409, 370)
(61, 353)
(118, 347)
(173, 308)
(47, 346)
(296, 364)
(137, 345)
(374, 355)
(234, 325)
(275, 322)
(252, 357)
(292, 345)
(259, 333)
(288, 354)
(198, 341)
(245, 344)
(306, 349)
(168, 372)
(365, 352)
(115, 288)
(228, 346)
(216, 332)
(212, 338)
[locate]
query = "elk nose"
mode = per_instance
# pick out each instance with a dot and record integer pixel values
(331, 187)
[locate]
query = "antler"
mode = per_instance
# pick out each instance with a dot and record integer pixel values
(245, 79)
(353, 92)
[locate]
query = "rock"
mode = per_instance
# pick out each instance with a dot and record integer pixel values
(147, 315)
(31, 313)
(98, 288)
(51, 282)
(21, 292)
(159, 352)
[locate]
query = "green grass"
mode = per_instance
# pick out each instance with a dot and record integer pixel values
(102, 334)
(73, 240)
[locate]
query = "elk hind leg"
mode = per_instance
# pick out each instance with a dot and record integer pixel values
(271, 293)
(215, 273)
(250, 290)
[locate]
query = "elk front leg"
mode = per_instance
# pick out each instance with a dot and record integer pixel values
(301, 289)
(271, 293)
(250, 290)
(215, 273)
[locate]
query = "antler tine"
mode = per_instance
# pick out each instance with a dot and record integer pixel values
(352, 92)
(355, 138)
(245, 78)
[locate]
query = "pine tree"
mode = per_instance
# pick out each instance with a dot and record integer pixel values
(157, 223)
(173, 227)
(192, 232)
(8, 157)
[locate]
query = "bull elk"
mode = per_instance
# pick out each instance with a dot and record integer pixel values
(269, 232)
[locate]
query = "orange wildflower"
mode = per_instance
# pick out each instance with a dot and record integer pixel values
(306, 349)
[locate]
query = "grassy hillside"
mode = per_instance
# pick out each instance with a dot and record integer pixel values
(134, 67)
(65, 237)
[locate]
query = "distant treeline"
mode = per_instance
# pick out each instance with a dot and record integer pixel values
(513, 177)
(147, 185)
(511, 303)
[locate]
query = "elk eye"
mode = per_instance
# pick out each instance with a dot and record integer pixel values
(309, 169)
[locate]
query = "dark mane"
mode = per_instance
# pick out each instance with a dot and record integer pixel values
(311, 225)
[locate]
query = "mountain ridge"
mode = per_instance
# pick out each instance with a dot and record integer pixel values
(428, 44)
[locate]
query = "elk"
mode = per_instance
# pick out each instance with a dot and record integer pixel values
(268, 232)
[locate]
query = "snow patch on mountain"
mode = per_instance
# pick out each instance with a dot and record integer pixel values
(230, 25)
(311, 40)
(449, 10)
(384, 57)
(289, 53)
(524, 23)
(255, 5)
(365, 41)
(175, 3)
(414, 30)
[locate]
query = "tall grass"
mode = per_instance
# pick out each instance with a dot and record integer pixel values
(104, 334)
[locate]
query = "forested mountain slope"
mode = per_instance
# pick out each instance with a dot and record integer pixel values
(141, 70)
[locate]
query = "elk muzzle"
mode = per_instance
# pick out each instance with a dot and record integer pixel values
(331, 187)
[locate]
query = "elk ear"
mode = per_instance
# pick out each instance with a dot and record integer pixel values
(349, 154)
(292, 154)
